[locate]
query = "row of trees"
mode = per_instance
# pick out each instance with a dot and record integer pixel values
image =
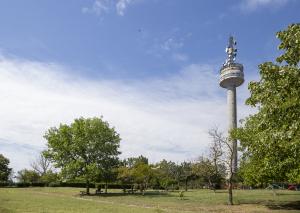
(138, 172)
(87, 150)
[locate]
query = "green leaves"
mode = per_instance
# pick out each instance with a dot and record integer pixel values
(5, 171)
(270, 138)
(290, 42)
(86, 148)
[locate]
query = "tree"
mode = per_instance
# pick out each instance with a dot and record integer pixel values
(186, 173)
(131, 162)
(136, 170)
(50, 177)
(168, 174)
(41, 165)
(28, 176)
(142, 173)
(109, 172)
(125, 175)
(226, 157)
(205, 169)
(5, 171)
(215, 150)
(86, 148)
(270, 138)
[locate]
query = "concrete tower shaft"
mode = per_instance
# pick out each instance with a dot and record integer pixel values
(232, 117)
(232, 76)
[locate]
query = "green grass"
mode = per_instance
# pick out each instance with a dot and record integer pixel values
(68, 200)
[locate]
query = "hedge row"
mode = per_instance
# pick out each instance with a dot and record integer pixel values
(5, 183)
(66, 184)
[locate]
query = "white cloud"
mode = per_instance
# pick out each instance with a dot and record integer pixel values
(169, 47)
(159, 118)
(171, 44)
(121, 6)
(101, 7)
(252, 5)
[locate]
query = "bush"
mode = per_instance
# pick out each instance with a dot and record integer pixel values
(54, 184)
(68, 184)
(22, 184)
(39, 184)
(181, 194)
(4, 183)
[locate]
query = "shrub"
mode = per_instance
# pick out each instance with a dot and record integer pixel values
(54, 184)
(181, 194)
(4, 183)
(39, 184)
(22, 184)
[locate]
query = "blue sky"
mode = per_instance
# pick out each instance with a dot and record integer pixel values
(150, 67)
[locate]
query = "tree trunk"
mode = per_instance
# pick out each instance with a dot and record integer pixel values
(230, 202)
(186, 184)
(143, 189)
(106, 187)
(211, 185)
(87, 186)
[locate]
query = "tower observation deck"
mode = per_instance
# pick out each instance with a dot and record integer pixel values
(232, 76)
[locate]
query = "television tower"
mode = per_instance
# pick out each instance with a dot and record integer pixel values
(232, 76)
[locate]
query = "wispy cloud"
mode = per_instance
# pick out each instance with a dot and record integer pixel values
(252, 5)
(159, 118)
(101, 7)
(121, 6)
(171, 44)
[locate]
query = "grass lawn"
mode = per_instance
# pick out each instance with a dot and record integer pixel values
(68, 200)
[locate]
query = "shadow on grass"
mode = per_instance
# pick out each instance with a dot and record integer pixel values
(294, 205)
(121, 194)
(291, 205)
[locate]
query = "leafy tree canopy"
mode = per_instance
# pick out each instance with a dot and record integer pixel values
(28, 176)
(270, 138)
(5, 171)
(86, 148)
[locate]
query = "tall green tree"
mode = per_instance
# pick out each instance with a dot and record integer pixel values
(5, 171)
(270, 139)
(86, 148)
